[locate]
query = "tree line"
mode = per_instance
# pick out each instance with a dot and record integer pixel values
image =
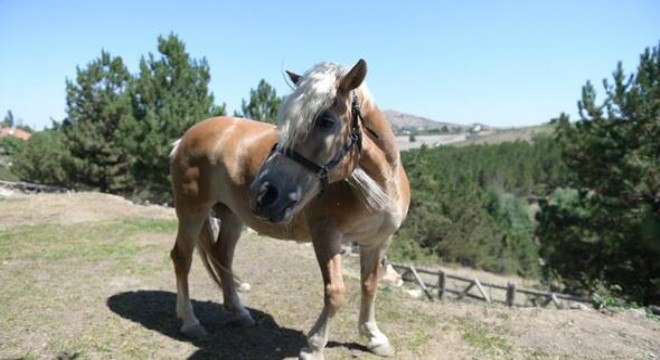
(580, 209)
(119, 126)
(470, 204)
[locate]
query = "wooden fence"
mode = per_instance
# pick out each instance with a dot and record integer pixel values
(510, 290)
(30, 188)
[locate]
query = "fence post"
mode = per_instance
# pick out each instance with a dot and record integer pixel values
(442, 281)
(421, 283)
(481, 290)
(556, 301)
(510, 293)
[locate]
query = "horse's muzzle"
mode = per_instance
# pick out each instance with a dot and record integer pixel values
(270, 203)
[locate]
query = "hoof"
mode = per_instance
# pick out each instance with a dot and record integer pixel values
(243, 320)
(309, 354)
(194, 331)
(384, 350)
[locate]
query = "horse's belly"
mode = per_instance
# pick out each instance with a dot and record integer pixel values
(294, 230)
(371, 230)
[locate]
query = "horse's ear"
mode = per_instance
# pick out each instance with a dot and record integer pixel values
(353, 78)
(295, 78)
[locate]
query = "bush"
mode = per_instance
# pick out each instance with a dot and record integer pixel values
(603, 230)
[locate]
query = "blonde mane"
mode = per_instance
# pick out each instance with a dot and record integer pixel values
(373, 196)
(314, 93)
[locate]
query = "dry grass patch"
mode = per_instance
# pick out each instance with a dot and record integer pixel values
(102, 287)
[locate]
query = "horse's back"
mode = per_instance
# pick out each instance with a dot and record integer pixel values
(221, 133)
(218, 155)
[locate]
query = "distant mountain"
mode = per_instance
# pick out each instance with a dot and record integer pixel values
(405, 122)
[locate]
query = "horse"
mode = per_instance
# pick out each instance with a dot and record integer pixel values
(329, 172)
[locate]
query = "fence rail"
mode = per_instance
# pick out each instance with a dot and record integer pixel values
(29, 187)
(510, 290)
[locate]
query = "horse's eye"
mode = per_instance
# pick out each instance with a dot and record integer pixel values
(325, 122)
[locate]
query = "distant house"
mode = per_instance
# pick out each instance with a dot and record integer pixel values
(15, 132)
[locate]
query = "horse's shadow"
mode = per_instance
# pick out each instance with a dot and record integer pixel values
(266, 340)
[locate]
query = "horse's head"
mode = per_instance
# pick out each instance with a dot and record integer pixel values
(319, 141)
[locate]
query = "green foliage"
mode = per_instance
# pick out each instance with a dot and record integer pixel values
(41, 159)
(120, 127)
(170, 95)
(600, 302)
(10, 145)
(9, 148)
(469, 204)
(606, 233)
(262, 105)
(97, 127)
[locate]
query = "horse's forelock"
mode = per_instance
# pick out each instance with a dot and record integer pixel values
(315, 92)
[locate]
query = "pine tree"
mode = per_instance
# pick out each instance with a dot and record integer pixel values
(170, 95)
(8, 120)
(262, 105)
(607, 233)
(98, 114)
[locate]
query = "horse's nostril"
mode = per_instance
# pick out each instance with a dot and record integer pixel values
(267, 195)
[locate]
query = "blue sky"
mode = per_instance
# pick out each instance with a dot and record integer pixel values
(504, 63)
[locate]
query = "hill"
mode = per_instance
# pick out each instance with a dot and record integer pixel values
(496, 136)
(487, 135)
(95, 281)
(405, 122)
(435, 133)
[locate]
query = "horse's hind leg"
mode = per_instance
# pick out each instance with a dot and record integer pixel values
(190, 225)
(370, 259)
(231, 227)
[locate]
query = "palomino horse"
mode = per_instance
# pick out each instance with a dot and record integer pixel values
(329, 173)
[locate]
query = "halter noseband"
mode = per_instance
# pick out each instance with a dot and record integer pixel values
(322, 171)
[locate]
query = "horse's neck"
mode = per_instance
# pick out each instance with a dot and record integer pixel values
(380, 158)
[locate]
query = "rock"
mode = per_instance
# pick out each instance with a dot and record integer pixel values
(579, 306)
(416, 293)
(636, 313)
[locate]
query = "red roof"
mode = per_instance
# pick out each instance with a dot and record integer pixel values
(15, 132)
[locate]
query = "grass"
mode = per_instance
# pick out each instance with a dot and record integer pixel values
(48, 268)
(91, 241)
(105, 289)
(483, 340)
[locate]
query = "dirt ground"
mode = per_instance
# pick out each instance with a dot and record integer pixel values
(81, 278)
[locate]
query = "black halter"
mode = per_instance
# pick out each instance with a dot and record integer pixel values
(322, 171)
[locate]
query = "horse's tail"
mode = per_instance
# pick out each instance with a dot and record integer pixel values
(206, 241)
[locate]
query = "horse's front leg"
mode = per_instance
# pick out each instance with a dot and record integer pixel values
(327, 248)
(370, 260)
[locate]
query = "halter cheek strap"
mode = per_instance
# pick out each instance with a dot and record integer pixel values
(322, 171)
